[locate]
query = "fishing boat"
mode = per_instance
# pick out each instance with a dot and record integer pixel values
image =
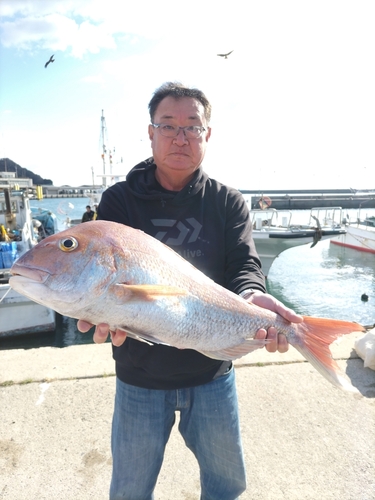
(108, 178)
(360, 235)
(274, 231)
(20, 231)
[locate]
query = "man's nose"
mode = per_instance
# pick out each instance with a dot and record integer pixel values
(181, 137)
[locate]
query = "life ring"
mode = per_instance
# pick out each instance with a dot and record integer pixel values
(264, 202)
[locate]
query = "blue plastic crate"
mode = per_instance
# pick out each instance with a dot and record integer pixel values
(8, 247)
(9, 258)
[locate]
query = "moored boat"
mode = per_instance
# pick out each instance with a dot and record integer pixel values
(274, 231)
(19, 233)
(360, 235)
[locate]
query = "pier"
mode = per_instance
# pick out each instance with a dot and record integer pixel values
(303, 438)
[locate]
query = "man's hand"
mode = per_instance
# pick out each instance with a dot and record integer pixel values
(278, 342)
(101, 333)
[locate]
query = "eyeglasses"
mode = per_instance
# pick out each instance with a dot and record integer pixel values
(191, 131)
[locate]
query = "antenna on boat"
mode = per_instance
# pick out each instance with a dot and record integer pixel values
(104, 151)
(106, 154)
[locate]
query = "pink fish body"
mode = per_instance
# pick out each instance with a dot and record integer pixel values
(104, 272)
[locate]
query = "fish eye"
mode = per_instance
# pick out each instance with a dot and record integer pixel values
(68, 244)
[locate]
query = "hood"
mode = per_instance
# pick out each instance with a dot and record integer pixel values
(142, 183)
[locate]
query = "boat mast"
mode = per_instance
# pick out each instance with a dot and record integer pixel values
(104, 151)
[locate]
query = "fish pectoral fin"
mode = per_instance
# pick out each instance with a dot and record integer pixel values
(147, 292)
(235, 352)
(142, 337)
(137, 337)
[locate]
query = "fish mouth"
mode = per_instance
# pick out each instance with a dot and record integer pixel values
(36, 275)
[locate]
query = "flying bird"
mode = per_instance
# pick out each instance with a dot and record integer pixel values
(51, 59)
(225, 55)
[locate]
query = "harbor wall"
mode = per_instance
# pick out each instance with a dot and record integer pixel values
(281, 200)
(307, 199)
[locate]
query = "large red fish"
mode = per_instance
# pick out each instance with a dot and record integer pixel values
(106, 272)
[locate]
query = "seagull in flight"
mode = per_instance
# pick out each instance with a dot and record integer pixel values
(225, 55)
(51, 59)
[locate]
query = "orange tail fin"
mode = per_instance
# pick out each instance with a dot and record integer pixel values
(314, 336)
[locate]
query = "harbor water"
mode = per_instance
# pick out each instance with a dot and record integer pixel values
(326, 280)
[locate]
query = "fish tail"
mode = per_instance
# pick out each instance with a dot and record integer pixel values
(314, 336)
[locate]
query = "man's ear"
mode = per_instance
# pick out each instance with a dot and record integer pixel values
(151, 132)
(208, 135)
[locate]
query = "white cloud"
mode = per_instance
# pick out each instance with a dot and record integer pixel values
(12, 8)
(89, 25)
(56, 32)
(91, 38)
(25, 33)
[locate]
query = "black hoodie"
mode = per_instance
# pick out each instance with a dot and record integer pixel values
(208, 224)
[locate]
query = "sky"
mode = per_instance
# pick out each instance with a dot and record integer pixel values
(293, 104)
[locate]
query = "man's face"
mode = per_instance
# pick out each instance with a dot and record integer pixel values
(178, 155)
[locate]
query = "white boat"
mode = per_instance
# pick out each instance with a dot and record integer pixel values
(360, 235)
(20, 231)
(274, 231)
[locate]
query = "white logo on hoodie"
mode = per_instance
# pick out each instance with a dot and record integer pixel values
(188, 230)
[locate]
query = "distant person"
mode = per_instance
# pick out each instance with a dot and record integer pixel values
(95, 212)
(88, 215)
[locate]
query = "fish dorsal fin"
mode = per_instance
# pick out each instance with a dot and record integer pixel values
(147, 292)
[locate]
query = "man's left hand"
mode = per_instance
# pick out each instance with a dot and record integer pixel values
(277, 341)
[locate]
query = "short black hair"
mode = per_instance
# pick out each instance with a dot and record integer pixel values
(177, 90)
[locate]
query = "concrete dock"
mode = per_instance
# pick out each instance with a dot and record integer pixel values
(303, 438)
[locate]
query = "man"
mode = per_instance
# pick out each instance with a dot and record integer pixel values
(170, 197)
(88, 215)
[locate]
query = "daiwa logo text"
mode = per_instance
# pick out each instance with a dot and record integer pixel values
(188, 231)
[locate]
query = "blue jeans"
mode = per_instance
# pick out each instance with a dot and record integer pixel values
(142, 423)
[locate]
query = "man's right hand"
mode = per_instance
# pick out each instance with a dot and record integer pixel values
(101, 333)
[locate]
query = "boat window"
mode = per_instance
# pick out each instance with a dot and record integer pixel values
(3, 208)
